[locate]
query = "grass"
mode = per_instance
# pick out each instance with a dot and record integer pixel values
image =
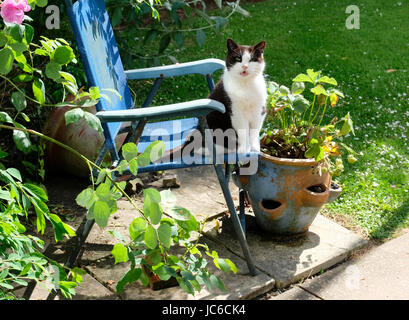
(312, 34)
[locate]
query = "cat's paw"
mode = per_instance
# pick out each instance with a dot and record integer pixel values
(255, 148)
(242, 150)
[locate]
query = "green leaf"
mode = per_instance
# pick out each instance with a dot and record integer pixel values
(120, 253)
(41, 210)
(164, 42)
(313, 151)
(73, 115)
(4, 117)
(85, 198)
(297, 87)
(152, 153)
(23, 78)
(284, 91)
(17, 32)
(116, 17)
(101, 213)
(312, 74)
(302, 78)
(144, 279)
(200, 37)
(133, 166)
(164, 234)
(318, 90)
(60, 228)
(179, 213)
(217, 282)
(41, 3)
(15, 173)
(101, 176)
(6, 60)
(62, 55)
(36, 191)
(150, 36)
(300, 104)
(52, 70)
(18, 46)
(137, 227)
(328, 80)
(29, 33)
(39, 90)
(222, 265)
(316, 151)
(131, 276)
(348, 126)
(152, 195)
(129, 151)
(153, 211)
(5, 195)
(220, 22)
(161, 272)
(22, 141)
(3, 39)
(179, 38)
(93, 121)
(185, 285)
(69, 77)
(151, 238)
(102, 191)
(94, 93)
(18, 100)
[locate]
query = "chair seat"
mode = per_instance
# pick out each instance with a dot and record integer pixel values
(173, 133)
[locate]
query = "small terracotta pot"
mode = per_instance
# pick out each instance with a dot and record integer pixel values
(79, 136)
(286, 194)
(155, 283)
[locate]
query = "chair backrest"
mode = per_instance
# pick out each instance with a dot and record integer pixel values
(100, 56)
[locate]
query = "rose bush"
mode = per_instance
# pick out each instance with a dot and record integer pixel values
(12, 11)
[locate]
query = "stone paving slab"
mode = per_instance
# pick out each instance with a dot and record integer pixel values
(295, 293)
(288, 261)
(238, 286)
(380, 274)
(200, 191)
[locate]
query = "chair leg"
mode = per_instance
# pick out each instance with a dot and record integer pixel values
(74, 256)
(79, 243)
(242, 195)
(236, 222)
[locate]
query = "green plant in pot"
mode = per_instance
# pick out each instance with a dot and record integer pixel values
(301, 152)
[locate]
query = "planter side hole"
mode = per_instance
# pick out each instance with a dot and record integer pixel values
(318, 188)
(270, 204)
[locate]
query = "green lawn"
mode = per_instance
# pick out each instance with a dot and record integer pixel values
(303, 34)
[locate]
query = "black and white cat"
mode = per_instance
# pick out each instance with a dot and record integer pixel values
(242, 90)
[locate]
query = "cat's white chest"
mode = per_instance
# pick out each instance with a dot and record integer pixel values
(247, 96)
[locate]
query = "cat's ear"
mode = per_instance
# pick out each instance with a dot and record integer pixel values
(231, 45)
(260, 46)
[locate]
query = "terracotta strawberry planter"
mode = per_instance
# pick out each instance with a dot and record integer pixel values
(285, 194)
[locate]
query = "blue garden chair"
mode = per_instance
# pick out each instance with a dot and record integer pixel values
(100, 56)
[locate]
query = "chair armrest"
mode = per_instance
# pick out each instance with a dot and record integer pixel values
(195, 108)
(203, 67)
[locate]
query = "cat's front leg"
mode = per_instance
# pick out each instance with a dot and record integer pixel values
(241, 126)
(254, 135)
(255, 140)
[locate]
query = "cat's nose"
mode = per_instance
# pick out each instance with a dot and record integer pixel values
(244, 67)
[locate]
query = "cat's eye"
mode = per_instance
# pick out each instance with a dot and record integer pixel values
(254, 59)
(237, 59)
